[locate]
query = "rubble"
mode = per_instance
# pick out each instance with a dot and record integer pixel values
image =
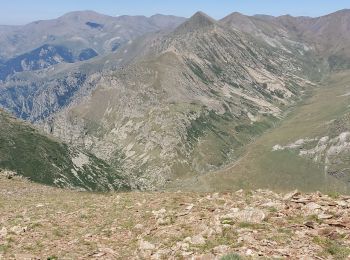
(177, 225)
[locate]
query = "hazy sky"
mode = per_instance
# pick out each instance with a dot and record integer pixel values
(24, 11)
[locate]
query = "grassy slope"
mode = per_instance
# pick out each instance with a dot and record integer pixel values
(42, 159)
(283, 170)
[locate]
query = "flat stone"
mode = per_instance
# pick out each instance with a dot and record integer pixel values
(145, 245)
(24, 257)
(198, 240)
(291, 195)
(221, 249)
(312, 208)
(3, 232)
(138, 226)
(251, 215)
(324, 216)
(18, 229)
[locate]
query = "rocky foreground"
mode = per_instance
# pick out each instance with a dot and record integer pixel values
(39, 222)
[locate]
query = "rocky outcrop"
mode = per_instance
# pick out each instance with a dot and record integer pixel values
(331, 151)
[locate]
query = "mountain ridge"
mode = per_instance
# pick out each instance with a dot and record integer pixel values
(178, 103)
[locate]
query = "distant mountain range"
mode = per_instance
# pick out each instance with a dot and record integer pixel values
(73, 37)
(165, 98)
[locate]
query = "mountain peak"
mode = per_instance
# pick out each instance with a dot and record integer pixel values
(234, 14)
(198, 21)
(87, 14)
(234, 18)
(202, 18)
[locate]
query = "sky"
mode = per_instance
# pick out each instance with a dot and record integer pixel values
(25, 11)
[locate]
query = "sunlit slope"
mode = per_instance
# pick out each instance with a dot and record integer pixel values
(45, 160)
(281, 158)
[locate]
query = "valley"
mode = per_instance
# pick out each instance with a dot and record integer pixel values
(319, 115)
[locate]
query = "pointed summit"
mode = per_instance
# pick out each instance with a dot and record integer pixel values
(198, 21)
(202, 17)
(234, 18)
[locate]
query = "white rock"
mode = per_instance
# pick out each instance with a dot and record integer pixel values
(251, 215)
(159, 213)
(234, 210)
(249, 252)
(313, 208)
(198, 240)
(324, 216)
(18, 229)
(342, 204)
(221, 249)
(3, 232)
(189, 207)
(145, 245)
(183, 246)
(186, 254)
(271, 204)
(138, 226)
(290, 195)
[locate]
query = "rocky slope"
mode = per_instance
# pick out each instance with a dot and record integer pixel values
(187, 103)
(45, 160)
(42, 222)
(327, 35)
